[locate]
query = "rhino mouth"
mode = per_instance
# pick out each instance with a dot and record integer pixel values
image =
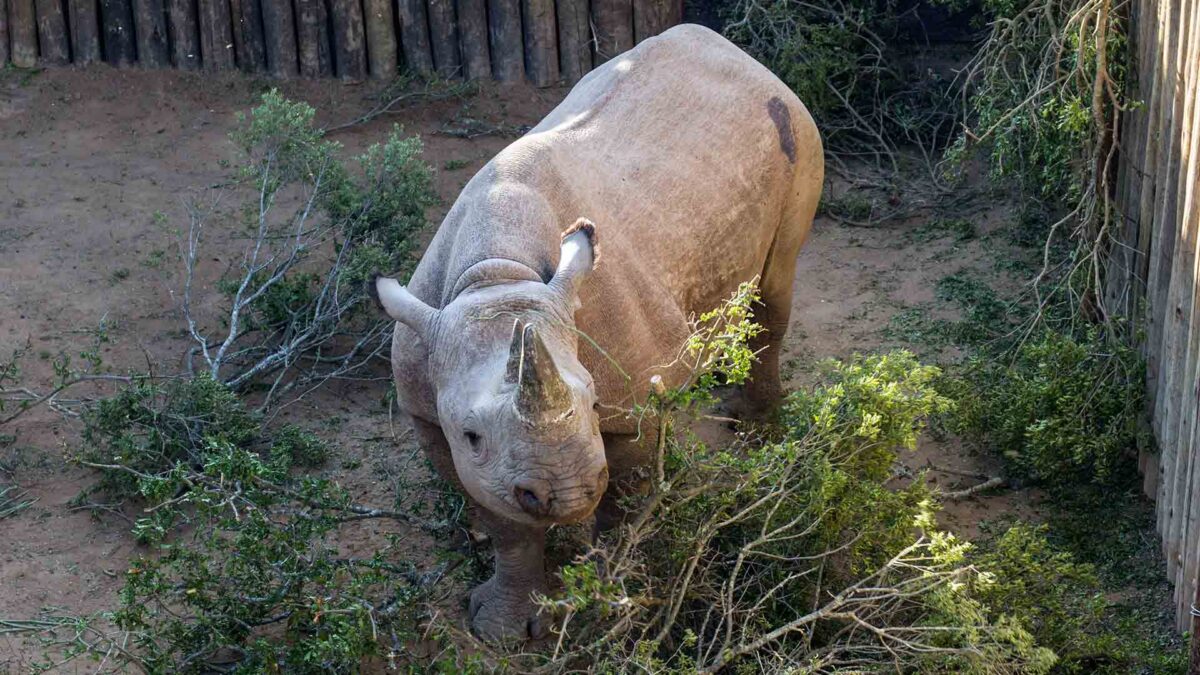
(556, 502)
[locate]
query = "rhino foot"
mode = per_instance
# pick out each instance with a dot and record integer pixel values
(501, 613)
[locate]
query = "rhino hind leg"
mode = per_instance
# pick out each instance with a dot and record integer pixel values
(502, 608)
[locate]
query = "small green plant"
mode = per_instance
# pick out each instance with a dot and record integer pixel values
(455, 164)
(1063, 409)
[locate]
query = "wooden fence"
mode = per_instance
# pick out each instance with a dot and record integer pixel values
(546, 41)
(1154, 272)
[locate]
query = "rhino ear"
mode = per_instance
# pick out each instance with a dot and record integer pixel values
(577, 258)
(403, 306)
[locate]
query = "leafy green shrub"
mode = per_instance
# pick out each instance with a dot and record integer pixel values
(139, 436)
(256, 583)
(788, 553)
(296, 310)
(1062, 409)
(870, 408)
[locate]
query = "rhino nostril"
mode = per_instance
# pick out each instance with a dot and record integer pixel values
(532, 501)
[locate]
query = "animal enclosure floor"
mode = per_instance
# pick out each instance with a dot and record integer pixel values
(95, 165)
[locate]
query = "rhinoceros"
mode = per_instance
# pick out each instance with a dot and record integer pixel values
(564, 276)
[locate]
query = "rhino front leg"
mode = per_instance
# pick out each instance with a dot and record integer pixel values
(502, 607)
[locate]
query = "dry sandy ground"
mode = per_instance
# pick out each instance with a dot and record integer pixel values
(94, 165)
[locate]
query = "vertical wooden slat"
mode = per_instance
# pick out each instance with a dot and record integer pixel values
(249, 50)
(414, 36)
(613, 23)
(279, 38)
(574, 39)
(3, 33)
(651, 17)
(541, 43)
(504, 32)
(1165, 248)
(443, 37)
(1174, 324)
(22, 33)
(184, 34)
(381, 38)
(120, 45)
(216, 35)
(349, 40)
(473, 38)
(84, 21)
(150, 26)
(53, 43)
(1181, 534)
(312, 36)
(1163, 243)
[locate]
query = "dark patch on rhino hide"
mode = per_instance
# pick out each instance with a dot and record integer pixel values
(782, 118)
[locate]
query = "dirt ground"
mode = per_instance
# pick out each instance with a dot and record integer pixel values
(94, 167)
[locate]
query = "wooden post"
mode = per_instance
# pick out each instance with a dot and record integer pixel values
(414, 36)
(312, 35)
(473, 38)
(350, 54)
(85, 31)
(22, 33)
(1194, 666)
(279, 35)
(613, 20)
(119, 41)
(541, 43)
(53, 42)
(504, 33)
(216, 35)
(150, 25)
(651, 17)
(443, 37)
(381, 39)
(574, 39)
(3, 33)
(185, 34)
(248, 46)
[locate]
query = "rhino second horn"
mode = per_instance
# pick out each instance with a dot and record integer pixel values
(542, 396)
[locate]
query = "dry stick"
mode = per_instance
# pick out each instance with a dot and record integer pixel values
(989, 484)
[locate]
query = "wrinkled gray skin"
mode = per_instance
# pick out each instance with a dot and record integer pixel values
(701, 170)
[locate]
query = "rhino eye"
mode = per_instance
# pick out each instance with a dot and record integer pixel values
(472, 438)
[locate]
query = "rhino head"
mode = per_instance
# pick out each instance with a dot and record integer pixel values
(518, 409)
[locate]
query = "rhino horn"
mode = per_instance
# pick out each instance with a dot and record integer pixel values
(542, 395)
